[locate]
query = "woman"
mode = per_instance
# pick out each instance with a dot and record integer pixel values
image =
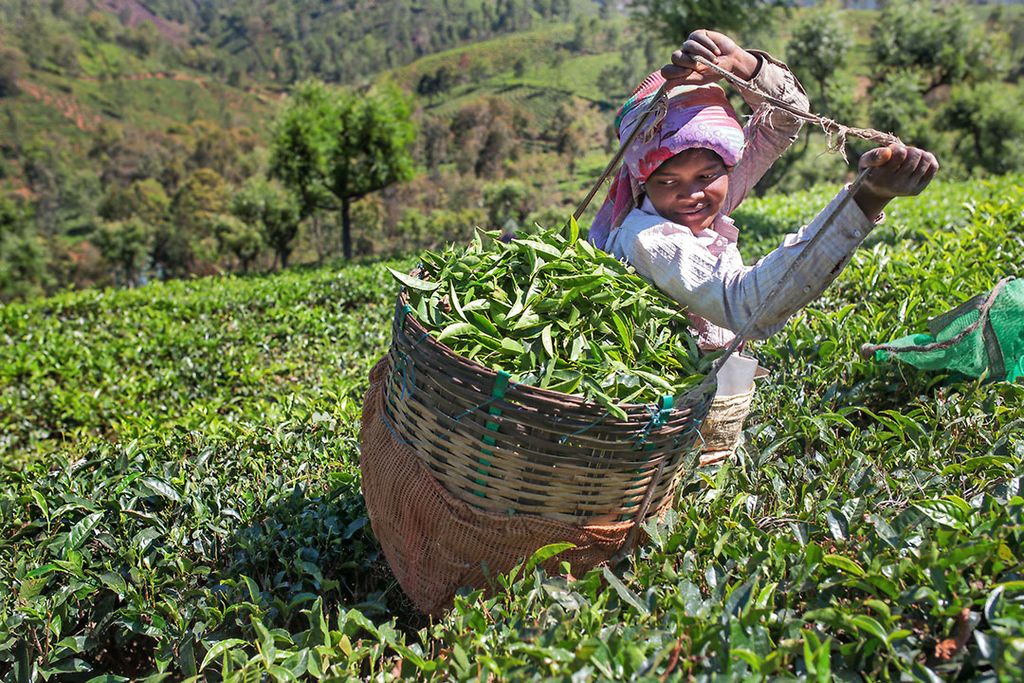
(667, 212)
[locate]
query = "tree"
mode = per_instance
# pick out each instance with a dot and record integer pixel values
(990, 126)
(12, 63)
(272, 210)
(22, 252)
(673, 20)
(332, 147)
(125, 245)
(945, 43)
(509, 200)
(485, 134)
(237, 237)
(189, 239)
(203, 195)
(370, 214)
(817, 50)
(898, 106)
(145, 199)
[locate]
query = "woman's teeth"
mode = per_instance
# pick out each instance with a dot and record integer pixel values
(695, 209)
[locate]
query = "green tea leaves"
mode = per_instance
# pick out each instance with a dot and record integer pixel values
(544, 306)
(414, 282)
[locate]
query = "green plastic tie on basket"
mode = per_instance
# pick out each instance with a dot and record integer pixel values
(665, 412)
(497, 392)
(659, 417)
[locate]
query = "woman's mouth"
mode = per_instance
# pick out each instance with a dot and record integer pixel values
(693, 210)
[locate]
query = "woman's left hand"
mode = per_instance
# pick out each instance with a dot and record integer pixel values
(715, 47)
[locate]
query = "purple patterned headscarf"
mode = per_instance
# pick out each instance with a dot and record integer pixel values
(694, 117)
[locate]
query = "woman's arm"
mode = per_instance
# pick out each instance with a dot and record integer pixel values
(728, 294)
(770, 131)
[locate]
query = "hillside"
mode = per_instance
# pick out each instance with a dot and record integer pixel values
(179, 490)
(128, 129)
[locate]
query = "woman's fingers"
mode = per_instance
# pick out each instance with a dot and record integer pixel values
(703, 37)
(673, 72)
(875, 157)
(916, 164)
(678, 74)
(705, 49)
(900, 170)
(926, 170)
(680, 58)
(899, 157)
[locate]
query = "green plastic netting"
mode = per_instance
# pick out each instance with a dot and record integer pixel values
(982, 337)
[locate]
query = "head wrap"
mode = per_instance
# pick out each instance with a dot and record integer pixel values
(691, 117)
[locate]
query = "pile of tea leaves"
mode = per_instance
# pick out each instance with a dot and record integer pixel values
(555, 312)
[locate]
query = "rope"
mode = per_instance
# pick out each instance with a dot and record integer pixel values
(867, 350)
(836, 132)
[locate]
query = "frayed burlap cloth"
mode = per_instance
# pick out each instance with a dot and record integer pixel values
(723, 427)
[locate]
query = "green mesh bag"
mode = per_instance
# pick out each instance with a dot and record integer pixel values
(982, 336)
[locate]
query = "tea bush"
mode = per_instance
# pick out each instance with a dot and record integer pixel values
(179, 491)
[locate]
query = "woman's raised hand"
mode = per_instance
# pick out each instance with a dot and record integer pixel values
(895, 171)
(714, 47)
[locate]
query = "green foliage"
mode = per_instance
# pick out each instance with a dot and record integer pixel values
(126, 245)
(817, 51)
(157, 542)
(485, 134)
(555, 312)
(201, 197)
(674, 20)
(144, 199)
(507, 201)
(179, 490)
(342, 41)
(237, 237)
(22, 252)
(989, 125)
(273, 212)
(898, 106)
(437, 228)
(12, 64)
(302, 136)
(333, 147)
(944, 42)
(371, 144)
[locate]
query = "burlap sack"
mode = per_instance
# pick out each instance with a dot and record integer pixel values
(723, 427)
(435, 543)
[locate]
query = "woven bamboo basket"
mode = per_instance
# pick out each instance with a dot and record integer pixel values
(515, 449)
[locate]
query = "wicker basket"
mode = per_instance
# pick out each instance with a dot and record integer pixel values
(514, 449)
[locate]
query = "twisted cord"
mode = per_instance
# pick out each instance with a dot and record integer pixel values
(868, 349)
(835, 132)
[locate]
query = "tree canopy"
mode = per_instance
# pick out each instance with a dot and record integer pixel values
(675, 19)
(333, 146)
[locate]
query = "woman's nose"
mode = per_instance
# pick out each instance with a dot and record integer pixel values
(692, 191)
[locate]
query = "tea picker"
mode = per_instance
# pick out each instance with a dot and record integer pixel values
(466, 473)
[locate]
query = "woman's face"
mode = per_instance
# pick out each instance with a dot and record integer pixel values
(690, 188)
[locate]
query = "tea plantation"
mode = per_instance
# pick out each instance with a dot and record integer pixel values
(179, 492)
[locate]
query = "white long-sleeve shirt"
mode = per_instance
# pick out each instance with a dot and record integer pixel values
(705, 272)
